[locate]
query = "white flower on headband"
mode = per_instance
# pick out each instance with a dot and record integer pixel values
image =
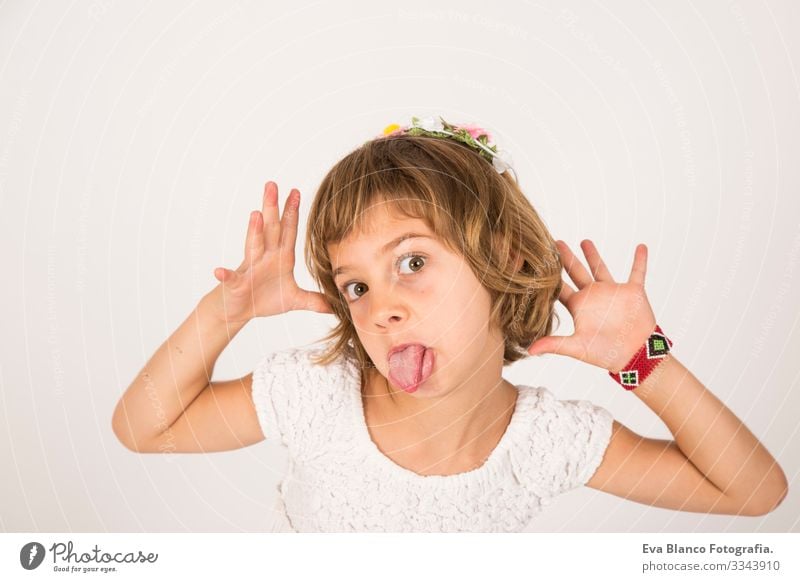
(430, 124)
(502, 161)
(471, 135)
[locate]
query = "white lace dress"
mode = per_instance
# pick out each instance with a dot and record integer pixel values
(339, 481)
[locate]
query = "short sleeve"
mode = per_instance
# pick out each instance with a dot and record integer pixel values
(571, 437)
(297, 400)
(275, 389)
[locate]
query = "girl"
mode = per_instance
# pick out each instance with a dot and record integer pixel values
(440, 273)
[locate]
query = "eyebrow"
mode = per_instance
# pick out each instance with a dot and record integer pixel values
(385, 249)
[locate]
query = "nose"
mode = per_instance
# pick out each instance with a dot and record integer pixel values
(387, 308)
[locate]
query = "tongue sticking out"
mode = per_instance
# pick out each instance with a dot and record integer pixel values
(410, 367)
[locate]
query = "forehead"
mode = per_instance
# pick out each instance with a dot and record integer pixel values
(378, 231)
(377, 226)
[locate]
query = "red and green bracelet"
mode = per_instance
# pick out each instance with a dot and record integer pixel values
(650, 355)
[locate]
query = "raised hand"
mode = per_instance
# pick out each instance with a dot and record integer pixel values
(612, 320)
(264, 283)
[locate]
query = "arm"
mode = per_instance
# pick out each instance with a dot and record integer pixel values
(172, 404)
(173, 377)
(714, 464)
(706, 469)
(713, 438)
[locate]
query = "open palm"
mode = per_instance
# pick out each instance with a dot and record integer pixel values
(264, 284)
(612, 320)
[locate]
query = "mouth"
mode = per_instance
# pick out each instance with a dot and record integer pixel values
(401, 347)
(410, 364)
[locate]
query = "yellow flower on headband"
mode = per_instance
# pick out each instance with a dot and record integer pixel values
(390, 128)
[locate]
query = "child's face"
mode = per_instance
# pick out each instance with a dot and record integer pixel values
(417, 292)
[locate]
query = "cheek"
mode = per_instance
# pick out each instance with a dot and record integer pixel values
(356, 312)
(469, 302)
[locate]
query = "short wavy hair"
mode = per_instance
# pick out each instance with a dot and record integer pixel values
(475, 211)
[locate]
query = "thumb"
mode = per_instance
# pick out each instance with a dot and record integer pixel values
(563, 345)
(313, 301)
(224, 275)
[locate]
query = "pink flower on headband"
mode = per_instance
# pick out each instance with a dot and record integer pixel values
(475, 131)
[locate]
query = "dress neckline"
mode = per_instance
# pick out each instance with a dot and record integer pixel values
(374, 452)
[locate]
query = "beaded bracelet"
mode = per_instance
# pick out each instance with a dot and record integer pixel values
(650, 355)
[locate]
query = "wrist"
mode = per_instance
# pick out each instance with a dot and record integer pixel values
(211, 307)
(653, 352)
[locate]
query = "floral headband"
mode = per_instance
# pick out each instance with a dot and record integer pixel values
(475, 137)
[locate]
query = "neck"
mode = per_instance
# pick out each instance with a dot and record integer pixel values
(467, 421)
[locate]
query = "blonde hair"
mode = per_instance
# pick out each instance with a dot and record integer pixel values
(476, 212)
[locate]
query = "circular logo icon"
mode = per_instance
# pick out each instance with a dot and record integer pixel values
(31, 555)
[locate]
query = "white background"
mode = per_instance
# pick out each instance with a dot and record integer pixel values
(136, 138)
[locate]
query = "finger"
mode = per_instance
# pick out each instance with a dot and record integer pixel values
(566, 292)
(639, 269)
(224, 275)
(254, 241)
(596, 264)
(312, 301)
(573, 266)
(318, 302)
(291, 216)
(557, 344)
(272, 224)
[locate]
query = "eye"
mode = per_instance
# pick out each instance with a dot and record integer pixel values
(415, 264)
(356, 285)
